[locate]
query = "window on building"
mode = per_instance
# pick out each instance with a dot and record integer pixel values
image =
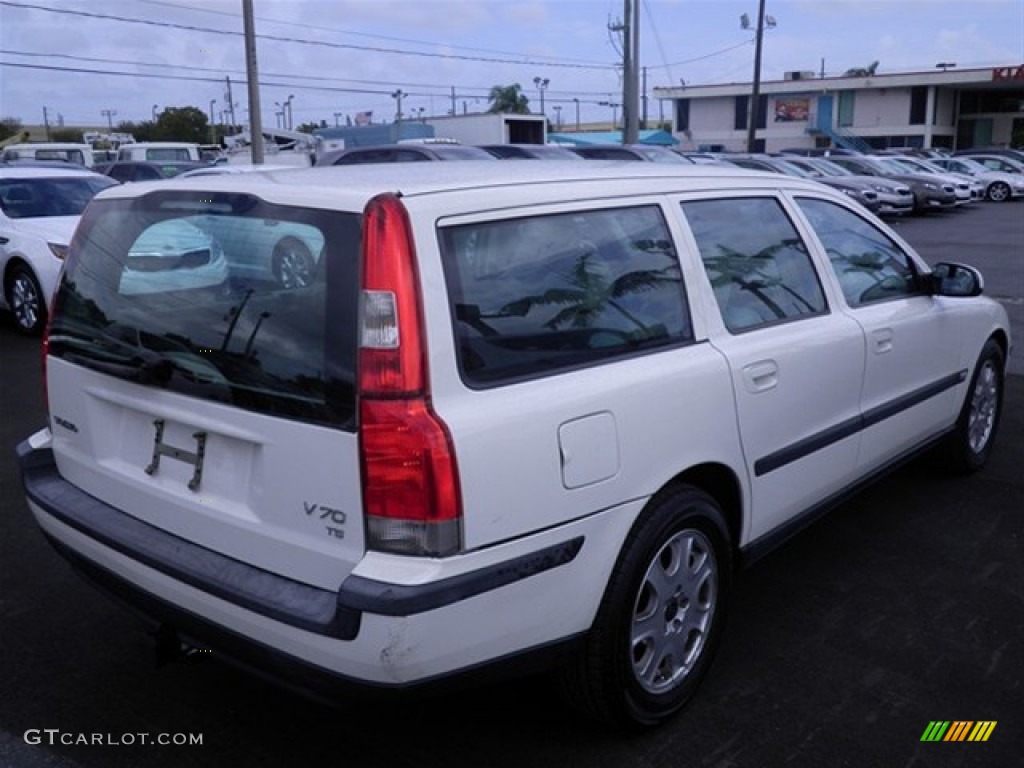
(682, 114)
(847, 100)
(918, 104)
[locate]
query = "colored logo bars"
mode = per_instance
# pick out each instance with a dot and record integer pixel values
(958, 730)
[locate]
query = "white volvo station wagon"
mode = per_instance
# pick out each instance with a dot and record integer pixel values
(517, 416)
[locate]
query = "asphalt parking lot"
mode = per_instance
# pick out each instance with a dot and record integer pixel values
(902, 607)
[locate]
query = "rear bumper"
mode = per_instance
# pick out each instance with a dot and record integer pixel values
(272, 623)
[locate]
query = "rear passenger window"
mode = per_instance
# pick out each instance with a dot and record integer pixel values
(758, 266)
(536, 295)
(869, 265)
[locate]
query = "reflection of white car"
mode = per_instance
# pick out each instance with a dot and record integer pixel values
(39, 210)
(267, 249)
(173, 255)
(999, 185)
(263, 249)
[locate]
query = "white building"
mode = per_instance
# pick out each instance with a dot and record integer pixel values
(951, 108)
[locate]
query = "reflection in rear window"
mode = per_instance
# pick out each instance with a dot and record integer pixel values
(225, 299)
(532, 296)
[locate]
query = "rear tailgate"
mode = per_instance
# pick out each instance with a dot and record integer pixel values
(192, 390)
(273, 493)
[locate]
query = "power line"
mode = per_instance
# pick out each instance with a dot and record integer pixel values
(320, 28)
(220, 71)
(220, 80)
(302, 41)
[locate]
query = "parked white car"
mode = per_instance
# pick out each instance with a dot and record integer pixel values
(999, 185)
(39, 209)
(524, 413)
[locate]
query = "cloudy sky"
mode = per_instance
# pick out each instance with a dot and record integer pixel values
(79, 58)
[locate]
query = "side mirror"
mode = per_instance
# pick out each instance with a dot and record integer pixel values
(951, 279)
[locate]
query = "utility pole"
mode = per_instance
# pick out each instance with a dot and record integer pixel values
(643, 96)
(630, 28)
(109, 114)
(231, 102)
(627, 72)
(756, 97)
(255, 121)
(453, 102)
(46, 122)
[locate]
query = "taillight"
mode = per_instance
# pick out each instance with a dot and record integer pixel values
(411, 496)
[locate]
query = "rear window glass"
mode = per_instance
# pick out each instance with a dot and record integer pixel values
(225, 298)
(532, 296)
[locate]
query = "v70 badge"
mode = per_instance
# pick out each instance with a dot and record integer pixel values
(160, 448)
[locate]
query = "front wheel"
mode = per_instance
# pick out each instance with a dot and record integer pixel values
(998, 191)
(659, 621)
(970, 444)
(25, 298)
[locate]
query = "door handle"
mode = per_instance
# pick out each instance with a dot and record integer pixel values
(761, 376)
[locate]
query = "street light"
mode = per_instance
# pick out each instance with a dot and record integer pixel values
(279, 114)
(213, 119)
(762, 22)
(558, 116)
(288, 108)
(397, 96)
(577, 114)
(944, 65)
(336, 116)
(542, 85)
(154, 112)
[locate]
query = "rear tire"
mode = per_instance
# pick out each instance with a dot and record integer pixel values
(969, 446)
(25, 298)
(661, 616)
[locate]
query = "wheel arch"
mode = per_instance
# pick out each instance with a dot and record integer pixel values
(722, 484)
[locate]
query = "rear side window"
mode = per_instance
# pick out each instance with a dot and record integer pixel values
(220, 297)
(536, 295)
(758, 266)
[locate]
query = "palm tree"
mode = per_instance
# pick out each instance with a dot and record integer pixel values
(509, 99)
(591, 293)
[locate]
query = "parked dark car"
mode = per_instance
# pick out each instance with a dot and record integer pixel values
(403, 153)
(894, 196)
(146, 170)
(855, 189)
(530, 152)
(636, 152)
(930, 192)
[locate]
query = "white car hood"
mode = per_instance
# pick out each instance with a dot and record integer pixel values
(52, 229)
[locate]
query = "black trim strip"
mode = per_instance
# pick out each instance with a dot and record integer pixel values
(835, 433)
(362, 594)
(336, 614)
(757, 549)
(285, 600)
(295, 674)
